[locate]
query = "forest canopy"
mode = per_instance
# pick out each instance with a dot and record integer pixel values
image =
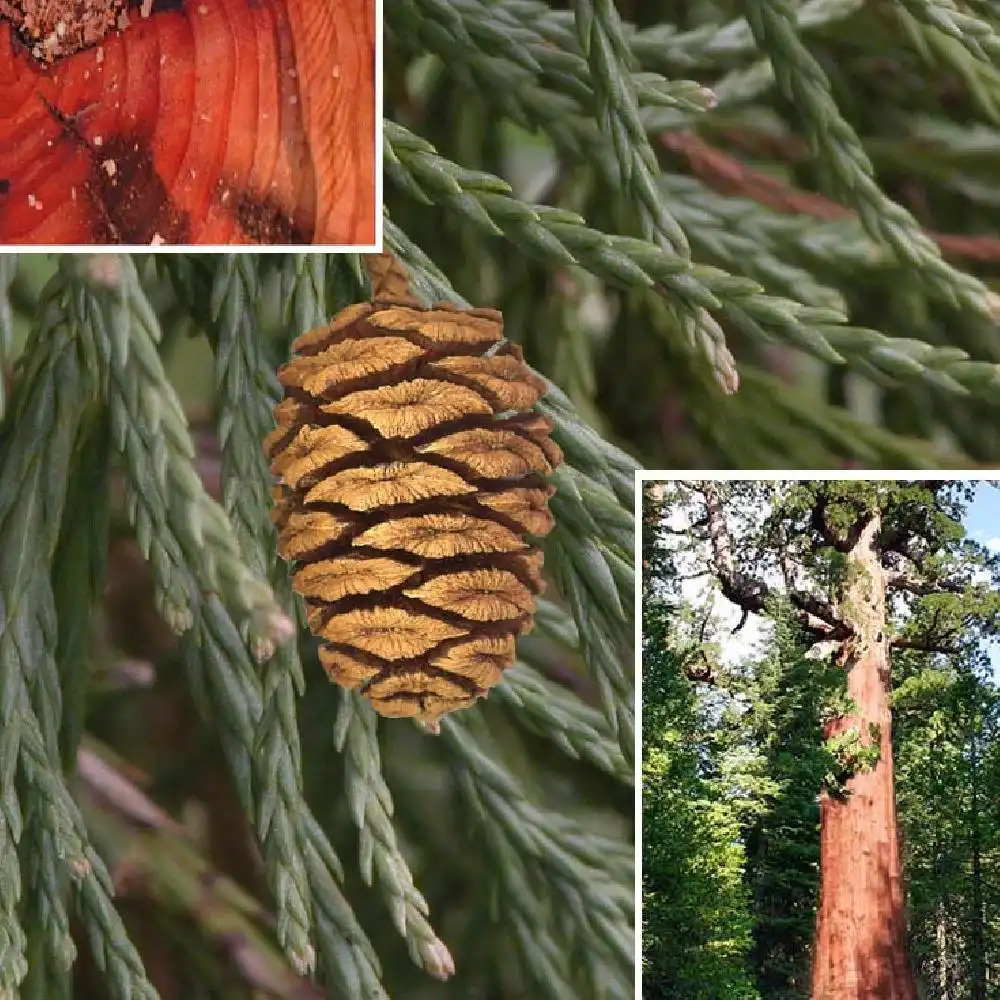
(821, 782)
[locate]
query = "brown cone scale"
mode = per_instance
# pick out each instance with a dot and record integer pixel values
(411, 486)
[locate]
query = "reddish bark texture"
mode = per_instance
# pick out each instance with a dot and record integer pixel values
(209, 121)
(860, 950)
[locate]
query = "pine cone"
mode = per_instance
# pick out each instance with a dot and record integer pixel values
(409, 472)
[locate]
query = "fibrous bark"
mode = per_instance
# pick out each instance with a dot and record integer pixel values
(160, 122)
(860, 948)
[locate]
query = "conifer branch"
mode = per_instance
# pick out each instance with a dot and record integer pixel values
(529, 848)
(976, 36)
(52, 393)
(548, 710)
(602, 40)
(881, 357)
(561, 237)
(8, 271)
(805, 84)
(34, 473)
(51, 950)
(245, 390)
(535, 64)
(887, 359)
(302, 289)
(215, 650)
(582, 571)
(716, 45)
(356, 737)
(79, 567)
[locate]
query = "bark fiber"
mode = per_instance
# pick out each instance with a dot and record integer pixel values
(860, 948)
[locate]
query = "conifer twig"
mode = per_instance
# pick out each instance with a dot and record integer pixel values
(580, 567)
(602, 40)
(53, 389)
(44, 465)
(215, 651)
(79, 568)
(528, 848)
(550, 711)
(303, 279)
(356, 737)
(805, 84)
(976, 36)
(244, 418)
(8, 271)
(561, 237)
(714, 45)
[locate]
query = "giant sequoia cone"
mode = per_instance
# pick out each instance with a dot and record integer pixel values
(410, 472)
(187, 121)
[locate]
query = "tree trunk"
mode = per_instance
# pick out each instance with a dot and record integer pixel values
(977, 957)
(860, 948)
(942, 951)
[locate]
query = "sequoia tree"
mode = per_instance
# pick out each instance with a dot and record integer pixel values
(867, 568)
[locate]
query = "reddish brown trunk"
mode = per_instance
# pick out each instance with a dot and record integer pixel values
(860, 950)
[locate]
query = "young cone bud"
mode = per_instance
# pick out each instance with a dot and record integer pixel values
(410, 474)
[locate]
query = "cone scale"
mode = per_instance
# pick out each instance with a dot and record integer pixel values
(411, 487)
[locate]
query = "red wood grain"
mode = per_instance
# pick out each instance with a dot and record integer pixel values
(211, 121)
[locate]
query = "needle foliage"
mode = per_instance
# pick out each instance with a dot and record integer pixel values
(737, 233)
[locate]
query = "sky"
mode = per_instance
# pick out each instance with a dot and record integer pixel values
(982, 521)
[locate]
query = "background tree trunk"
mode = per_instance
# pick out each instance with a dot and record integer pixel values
(860, 949)
(942, 951)
(977, 986)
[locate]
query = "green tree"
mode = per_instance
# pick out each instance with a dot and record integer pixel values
(696, 919)
(948, 726)
(789, 697)
(168, 737)
(867, 568)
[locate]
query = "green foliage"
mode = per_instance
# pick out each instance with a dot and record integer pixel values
(696, 920)
(947, 740)
(695, 932)
(851, 754)
(135, 543)
(670, 199)
(788, 697)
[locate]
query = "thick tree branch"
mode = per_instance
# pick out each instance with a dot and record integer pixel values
(820, 523)
(926, 644)
(823, 528)
(816, 616)
(904, 580)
